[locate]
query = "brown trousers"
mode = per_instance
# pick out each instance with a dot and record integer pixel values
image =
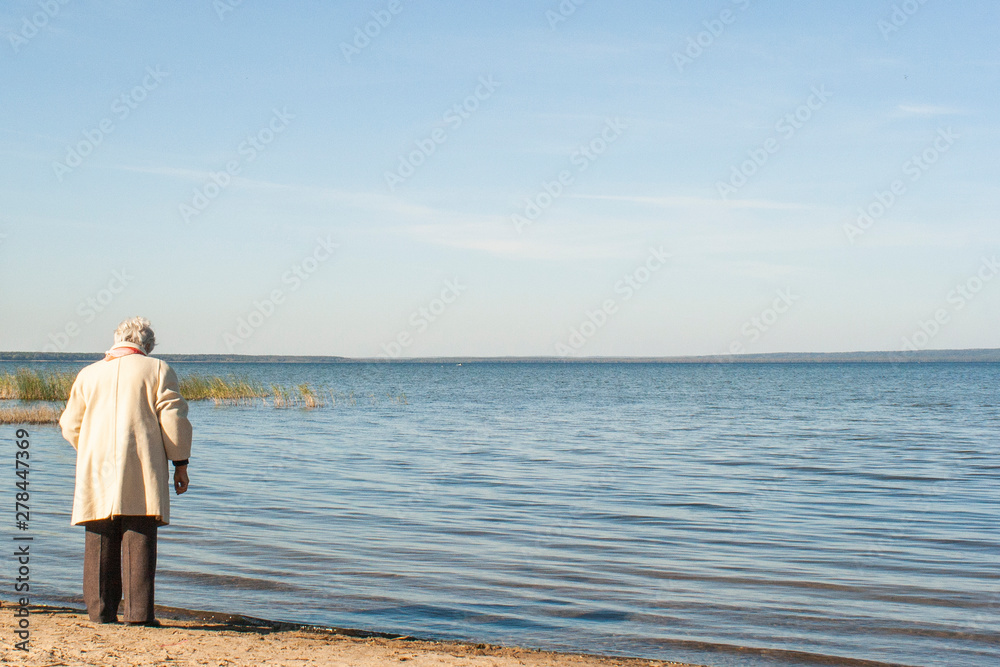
(120, 553)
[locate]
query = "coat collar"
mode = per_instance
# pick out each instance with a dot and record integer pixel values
(122, 349)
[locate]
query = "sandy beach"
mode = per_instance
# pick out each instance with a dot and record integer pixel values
(64, 636)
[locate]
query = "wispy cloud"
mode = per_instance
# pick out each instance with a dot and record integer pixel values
(366, 200)
(492, 235)
(925, 111)
(171, 172)
(685, 202)
(765, 270)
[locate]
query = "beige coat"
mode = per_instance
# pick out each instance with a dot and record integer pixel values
(125, 417)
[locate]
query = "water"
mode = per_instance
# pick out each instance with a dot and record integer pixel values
(666, 511)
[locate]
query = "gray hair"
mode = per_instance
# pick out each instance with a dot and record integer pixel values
(136, 330)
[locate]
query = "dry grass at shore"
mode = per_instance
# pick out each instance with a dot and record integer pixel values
(30, 414)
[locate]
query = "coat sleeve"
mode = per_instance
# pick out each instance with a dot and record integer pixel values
(72, 416)
(172, 410)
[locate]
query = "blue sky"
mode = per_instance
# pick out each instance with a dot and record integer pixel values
(499, 178)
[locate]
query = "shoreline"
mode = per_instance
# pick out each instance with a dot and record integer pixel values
(62, 635)
(65, 635)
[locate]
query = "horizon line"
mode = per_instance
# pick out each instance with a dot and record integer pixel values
(955, 354)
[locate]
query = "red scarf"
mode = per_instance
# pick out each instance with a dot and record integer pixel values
(123, 351)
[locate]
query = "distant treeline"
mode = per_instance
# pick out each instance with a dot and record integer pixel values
(921, 356)
(88, 357)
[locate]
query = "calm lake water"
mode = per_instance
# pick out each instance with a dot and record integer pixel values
(666, 511)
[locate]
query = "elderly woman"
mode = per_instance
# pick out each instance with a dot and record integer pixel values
(126, 418)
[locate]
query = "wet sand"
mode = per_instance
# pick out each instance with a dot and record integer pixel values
(64, 636)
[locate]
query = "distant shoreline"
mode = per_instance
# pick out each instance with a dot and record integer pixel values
(985, 355)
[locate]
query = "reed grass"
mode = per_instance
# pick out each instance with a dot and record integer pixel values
(309, 397)
(234, 387)
(237, 390)
(30, 385)
(280, 396)
(30, 414)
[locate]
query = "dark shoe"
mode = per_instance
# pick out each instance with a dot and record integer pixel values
(113, 621)
(145, 624)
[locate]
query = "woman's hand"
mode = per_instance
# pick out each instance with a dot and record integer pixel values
(181, 479)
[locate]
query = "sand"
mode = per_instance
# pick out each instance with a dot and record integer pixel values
(63, 636)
